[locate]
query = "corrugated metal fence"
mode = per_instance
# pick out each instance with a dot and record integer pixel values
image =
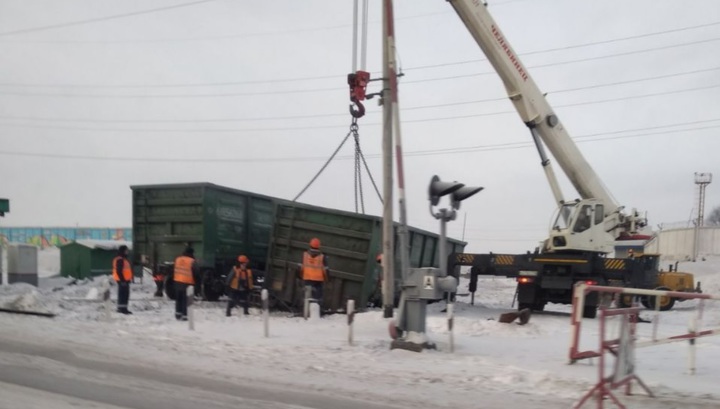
(678, 243)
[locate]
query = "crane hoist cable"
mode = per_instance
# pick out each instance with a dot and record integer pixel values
(358, 81)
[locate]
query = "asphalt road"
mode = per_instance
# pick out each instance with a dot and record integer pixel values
(33, 376)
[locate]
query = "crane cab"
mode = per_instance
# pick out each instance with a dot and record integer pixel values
(579, 227)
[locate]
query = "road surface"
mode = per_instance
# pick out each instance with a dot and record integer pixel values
(33, 376)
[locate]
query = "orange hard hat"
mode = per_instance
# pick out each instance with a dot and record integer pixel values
(315, 243)
(243, 259)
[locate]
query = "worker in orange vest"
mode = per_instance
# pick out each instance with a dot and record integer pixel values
(122, 273)
(314, 270)
(185, 271)
(240, 281)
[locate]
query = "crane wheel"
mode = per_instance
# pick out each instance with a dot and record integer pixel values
(625, 301)
(666, 303)
(590, 311)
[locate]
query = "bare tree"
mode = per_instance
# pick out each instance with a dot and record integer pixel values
(713, 218)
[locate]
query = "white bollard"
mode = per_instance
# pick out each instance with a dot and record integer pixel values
(450, 318)
(692, 328)
(656, 321)
(306, 302)
(314, 311)
(106, 298)
(351, 318)
(190, 308)
(266, 312)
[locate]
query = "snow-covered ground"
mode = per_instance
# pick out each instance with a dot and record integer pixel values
(494, 364)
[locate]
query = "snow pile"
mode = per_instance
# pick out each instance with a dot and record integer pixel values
(29, 301)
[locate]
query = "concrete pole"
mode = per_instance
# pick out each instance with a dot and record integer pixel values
(388, 260)
(391, 66)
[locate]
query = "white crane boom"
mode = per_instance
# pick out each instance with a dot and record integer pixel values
(591, 224)
(530, 102)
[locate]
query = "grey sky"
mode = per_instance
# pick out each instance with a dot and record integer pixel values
(112, 69)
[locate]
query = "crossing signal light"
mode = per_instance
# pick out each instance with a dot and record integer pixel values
(462, 194)
(439, 189)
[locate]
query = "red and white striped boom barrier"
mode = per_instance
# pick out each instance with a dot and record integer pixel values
(623, 349)
(582, 290)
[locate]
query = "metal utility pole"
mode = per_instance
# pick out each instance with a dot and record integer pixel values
(702, 180)
(388, 259)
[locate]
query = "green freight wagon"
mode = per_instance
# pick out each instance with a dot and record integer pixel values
(221, 223)
(351, 242)
(218, 222)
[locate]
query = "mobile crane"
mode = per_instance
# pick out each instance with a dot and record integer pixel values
(585, 230)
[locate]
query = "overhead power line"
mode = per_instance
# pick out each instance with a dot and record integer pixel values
(205, 38)
(336, 76)
(99, 19)
(326, 115)
(316, 127)
(432, 152)
(582, 45)
(315, 90)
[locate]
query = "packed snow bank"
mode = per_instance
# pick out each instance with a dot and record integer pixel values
(29, 301)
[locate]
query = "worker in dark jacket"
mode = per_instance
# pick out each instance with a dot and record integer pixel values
(184, 274)
(240, 281)
(314, 271)
(159, 279)
(375, 297)
(122, 273)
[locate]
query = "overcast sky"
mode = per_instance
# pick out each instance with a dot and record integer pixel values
(87, 110)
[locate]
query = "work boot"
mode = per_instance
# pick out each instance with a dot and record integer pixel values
(126, 311)
(227, 313)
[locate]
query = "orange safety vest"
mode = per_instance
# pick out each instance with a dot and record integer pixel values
(183, 270)
(241, 275)
(313, 267)
(126, 271)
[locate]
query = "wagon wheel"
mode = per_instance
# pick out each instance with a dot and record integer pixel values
(212, 288)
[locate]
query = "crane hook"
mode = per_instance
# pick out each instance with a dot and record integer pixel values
(358, 82)
(357, 109)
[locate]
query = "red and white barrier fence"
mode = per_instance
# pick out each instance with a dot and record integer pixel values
(582, 290)
(623, 349)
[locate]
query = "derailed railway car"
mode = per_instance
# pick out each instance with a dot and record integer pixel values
(220, 223)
